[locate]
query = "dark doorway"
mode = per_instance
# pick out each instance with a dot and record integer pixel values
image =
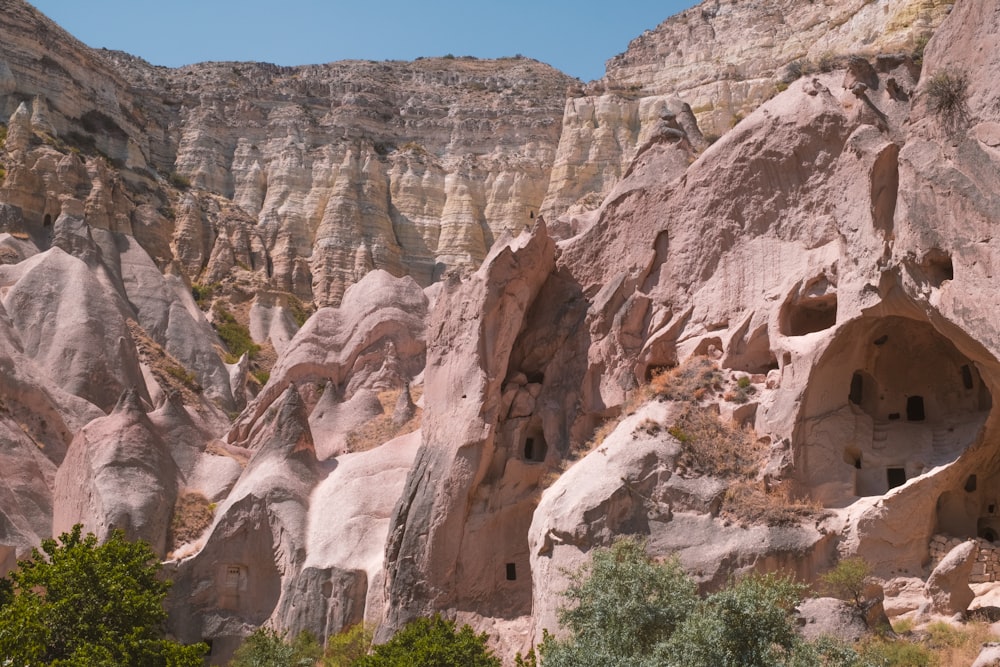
(970, 484)
(535, 449)
(915, 408)
(895, 477)
(857, 389)
(47, 222)
(511, 572)
(966, 376)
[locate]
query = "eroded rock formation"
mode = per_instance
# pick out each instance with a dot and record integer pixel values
(469, 409)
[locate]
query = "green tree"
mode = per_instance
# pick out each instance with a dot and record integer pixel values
(749, 624)
(627, 610)
(77, 602)
(267, 648)
(344, 648)
(847, 580)
(621, 607)
(432, 642)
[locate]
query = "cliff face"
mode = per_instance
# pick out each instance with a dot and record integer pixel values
(310, 176)
(722, 58)
(454, 438)
(409, 167)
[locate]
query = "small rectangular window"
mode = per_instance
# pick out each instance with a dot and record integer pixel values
(511, 572)
(967, 376)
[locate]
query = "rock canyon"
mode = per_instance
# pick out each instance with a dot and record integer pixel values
(366, 341)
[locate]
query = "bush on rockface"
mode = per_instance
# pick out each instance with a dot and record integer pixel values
(347, 647)
(947, 96)
(236, 336)
(847, 580)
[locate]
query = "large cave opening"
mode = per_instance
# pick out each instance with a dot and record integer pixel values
(890, 399)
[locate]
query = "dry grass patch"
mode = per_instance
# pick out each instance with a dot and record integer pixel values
(751, 502)
(696, 379)
(381, 429)
(169, 373)
(952, 645)
(238, 454)
(193, 513)
(710, 447)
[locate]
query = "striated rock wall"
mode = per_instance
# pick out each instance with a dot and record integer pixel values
(722, 58)
(319, 173)
(832, 252)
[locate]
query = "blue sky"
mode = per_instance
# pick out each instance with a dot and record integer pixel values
(575, 36)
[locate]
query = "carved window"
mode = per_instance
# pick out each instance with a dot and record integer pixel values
(232, 582)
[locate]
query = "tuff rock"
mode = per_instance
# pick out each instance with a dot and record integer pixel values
(416, 332)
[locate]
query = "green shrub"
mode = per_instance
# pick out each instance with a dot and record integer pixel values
(893, 653)
(261, 376)
(179, 181)
(267, 648)
(432, 642)
(77, 602)
(947, 94)
(626, 610)
(343, 649)
(300, 312)
(235, 335)
(620, 608)
(847, 580)
(749, 624)
(203, 293)
(182, 374)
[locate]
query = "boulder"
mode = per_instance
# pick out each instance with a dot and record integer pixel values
(829, 617)
(948, 585)
(989, 656)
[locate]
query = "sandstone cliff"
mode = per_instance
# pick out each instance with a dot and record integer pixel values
(319, 173)
(722, 58)
(480, 397)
